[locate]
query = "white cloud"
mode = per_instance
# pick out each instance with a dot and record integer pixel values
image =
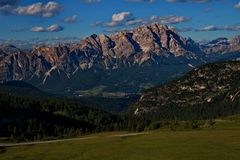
(219, 28)
(127, 18)
(237, 5)
(71, 19)
(119, 17)
(39, 9)
(52, 28)
(134, 22)
(38, 29)
(170, 19)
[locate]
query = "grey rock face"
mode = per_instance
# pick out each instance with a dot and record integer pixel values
(146, 44)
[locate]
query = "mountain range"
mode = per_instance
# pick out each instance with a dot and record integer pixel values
(125, 62)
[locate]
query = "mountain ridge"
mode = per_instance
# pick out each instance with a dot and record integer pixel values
(145, 45)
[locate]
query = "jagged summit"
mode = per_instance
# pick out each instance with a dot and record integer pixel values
(146, 39)
(152, 44)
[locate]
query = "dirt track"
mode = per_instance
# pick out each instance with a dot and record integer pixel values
(63, 140)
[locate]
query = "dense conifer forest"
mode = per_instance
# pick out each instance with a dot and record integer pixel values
(38, 119)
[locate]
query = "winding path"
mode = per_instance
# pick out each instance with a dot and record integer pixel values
(64, 140)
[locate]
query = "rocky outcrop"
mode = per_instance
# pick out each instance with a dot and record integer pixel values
(14, 64)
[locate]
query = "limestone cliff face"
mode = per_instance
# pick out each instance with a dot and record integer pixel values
(146, 44)
(14, 64)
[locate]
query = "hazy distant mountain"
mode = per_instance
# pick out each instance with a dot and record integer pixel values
(222, 46)
(120, 62)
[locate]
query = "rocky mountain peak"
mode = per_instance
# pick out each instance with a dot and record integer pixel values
(140, 46)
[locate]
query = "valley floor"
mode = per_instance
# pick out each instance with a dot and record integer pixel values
(222, 142)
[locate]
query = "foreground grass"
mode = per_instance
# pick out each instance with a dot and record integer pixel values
(222, 142)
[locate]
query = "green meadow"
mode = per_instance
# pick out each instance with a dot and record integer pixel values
(220, 142)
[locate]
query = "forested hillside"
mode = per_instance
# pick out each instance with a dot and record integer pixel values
(24, 118)
(211, 91)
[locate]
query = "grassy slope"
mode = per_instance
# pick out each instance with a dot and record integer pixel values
(221, 143)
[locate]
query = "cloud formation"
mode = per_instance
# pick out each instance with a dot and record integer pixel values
(237, 6)
(38, 29)
(219, 28)
(118, 19)
(127, 19)
(71, 19)
(52, 28)
(39, 9)
(170, 19)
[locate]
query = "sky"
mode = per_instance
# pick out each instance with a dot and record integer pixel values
(30, 20)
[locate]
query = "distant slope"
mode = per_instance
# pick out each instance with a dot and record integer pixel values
(210, 91)
(222, 46)
(21, 88)
(110, 104)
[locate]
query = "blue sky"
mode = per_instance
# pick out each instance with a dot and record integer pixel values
(198, 19)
